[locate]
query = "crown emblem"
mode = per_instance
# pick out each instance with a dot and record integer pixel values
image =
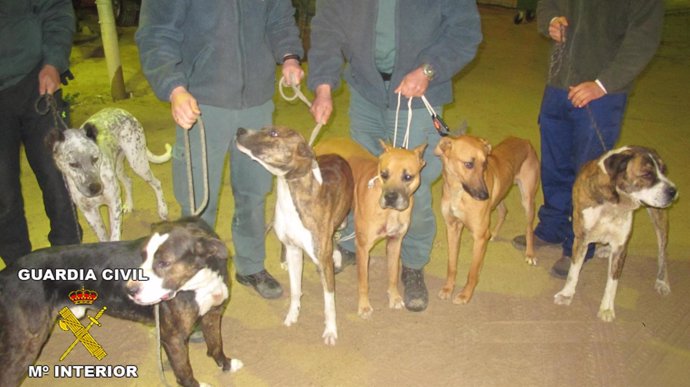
(83, 296)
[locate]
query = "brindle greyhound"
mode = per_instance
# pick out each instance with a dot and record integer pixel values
(314, 194)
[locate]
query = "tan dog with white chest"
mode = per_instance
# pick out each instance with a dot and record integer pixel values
(382, 207)
(476, 179)
(606, 193)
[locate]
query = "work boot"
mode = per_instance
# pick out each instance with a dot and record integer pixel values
(416, 296)
(348, 258)
(263, 283)
(561, 267)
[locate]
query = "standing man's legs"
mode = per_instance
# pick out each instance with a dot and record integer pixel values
(250, 181)
(368, 124)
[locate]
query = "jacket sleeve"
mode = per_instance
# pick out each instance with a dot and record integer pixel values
(547, 10)
(457, 44)
(283, 35)
(159, 39)
(641, 41)
(327, 42)
(57, 17)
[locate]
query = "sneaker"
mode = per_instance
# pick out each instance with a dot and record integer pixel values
(348, 258)
(263, 283)
(520, 242)
(561, 267)
(416, 296)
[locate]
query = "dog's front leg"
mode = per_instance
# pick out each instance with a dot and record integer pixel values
(175, 332)
(393, 247)
(660, 221)
(565, 296)
(454, 229)
(210, 326)
(478, 252)
(362, 247)
(93, 217)
(616, 262)
(293, 256)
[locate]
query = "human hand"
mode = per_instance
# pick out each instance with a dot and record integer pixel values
(322, 106)
(557, 29)
(292, 72)
(185, 109)
(48, 80)
(584, 93)
(414, 84)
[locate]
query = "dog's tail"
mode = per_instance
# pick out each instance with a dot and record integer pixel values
(159, 159)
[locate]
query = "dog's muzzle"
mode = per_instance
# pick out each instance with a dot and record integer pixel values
(394, 200)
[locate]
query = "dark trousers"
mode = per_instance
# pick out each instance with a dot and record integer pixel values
(21, 124)
(569, 139)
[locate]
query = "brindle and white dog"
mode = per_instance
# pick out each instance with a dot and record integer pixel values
(605, 194)
(91, 156)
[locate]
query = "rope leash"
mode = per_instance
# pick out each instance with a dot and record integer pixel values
(298, 94)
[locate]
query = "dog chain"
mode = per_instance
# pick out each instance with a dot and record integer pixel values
(204, 167)
(556, 62)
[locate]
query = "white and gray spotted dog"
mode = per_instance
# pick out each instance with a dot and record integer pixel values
(90, 157)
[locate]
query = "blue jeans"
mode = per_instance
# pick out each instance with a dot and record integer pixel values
(569, 139)
(368, 124)
(20, 124)
(250, 181)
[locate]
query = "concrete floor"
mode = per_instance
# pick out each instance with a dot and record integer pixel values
(511, 333)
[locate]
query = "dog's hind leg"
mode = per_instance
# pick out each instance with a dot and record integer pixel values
(330, 333)
(21, 339)
(293, 256)
(528, 182)
(126, 182)
(501, 212)
(660, 221)
(148, 176)
(210, 326)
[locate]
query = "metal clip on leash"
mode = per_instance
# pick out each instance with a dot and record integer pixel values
(438, 122)
(300, 95)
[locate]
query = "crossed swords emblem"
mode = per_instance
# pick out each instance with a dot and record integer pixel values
(81, 333)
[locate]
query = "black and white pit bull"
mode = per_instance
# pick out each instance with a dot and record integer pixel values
(185, 263)
(314, 195)
(606, 193)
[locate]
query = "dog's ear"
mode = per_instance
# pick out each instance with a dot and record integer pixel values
(53, 137)
(304, 150)
(91, 131)
(444, 146)
(419, 151)
(617, 163)
(210, 247)
(487, 145)
(385, 146)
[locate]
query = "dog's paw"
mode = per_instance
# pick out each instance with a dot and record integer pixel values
(445, 293)
(462, 298)
(662, 287)
(365, 311)
(163, 211)
(532, 261)
(562, 299)
(396, 302)
(291, 317)
(202, 384)
(127, 208)
(235, 365)
(607, 315)
(330, 336)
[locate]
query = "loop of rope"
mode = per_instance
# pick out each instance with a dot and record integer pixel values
(204, 168)
(406, 139)
(45, 104)
(298, 94)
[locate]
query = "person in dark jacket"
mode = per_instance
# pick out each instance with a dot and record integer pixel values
(599, 48)
(410, 47)
(217, 60)
(34, 51)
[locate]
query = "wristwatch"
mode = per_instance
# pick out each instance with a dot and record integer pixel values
(428, 71)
